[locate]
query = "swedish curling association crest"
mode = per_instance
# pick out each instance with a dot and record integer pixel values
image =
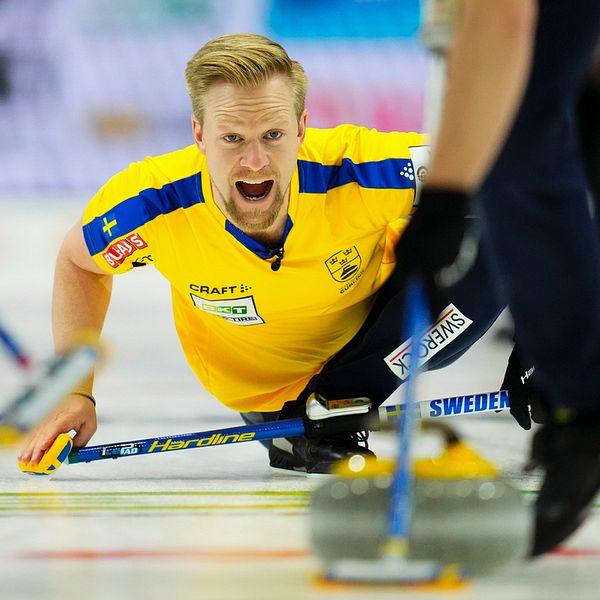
(344, 264)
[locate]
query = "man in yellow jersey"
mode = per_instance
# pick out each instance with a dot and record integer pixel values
(278, 243)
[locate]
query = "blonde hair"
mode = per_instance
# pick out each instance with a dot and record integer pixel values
(244, 59)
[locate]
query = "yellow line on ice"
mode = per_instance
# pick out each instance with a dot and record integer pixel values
(144, 501)
(175, 507)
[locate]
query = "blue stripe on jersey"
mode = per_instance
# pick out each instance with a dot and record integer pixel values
(391, 173)
(134, 212)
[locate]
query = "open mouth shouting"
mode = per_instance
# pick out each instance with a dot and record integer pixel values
(253, 205)
(254, 191)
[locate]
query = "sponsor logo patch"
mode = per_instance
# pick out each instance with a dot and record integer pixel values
(450, 324)
(240, 311)
(223, 289)
(118, 251)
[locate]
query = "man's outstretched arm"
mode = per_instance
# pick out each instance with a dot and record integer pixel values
(80, 300)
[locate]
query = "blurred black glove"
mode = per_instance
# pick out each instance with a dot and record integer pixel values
(432, 245)
(527, 400)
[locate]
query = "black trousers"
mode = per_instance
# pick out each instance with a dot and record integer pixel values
(538, 229)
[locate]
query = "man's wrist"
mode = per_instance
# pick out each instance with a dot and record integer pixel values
(85, 395)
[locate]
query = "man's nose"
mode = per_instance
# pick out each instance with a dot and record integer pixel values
(254, 156)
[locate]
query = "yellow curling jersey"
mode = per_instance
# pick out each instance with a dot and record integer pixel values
(254, 335)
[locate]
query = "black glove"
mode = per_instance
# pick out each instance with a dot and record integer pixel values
(527, 400)
(432, 245)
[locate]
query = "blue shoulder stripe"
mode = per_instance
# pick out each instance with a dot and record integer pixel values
(391, 173)
(134, 212)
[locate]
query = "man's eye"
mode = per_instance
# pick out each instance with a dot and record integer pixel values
(274, 135)
(232, 137)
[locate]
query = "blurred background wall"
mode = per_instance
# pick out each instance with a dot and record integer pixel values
(88, 86)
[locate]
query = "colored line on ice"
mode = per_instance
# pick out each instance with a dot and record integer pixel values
(221, 554)
(147, 501)
(575, 552)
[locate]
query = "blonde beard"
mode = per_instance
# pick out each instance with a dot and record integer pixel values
(243, 222)
(257, 220)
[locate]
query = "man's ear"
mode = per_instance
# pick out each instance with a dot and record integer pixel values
(198, 133)
(302, 126)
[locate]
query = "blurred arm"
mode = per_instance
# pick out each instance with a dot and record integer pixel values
(488, 66)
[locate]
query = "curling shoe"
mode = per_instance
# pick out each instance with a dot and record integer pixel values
(317, 455)
(568, 449)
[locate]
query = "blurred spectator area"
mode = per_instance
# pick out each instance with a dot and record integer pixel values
(88, 86)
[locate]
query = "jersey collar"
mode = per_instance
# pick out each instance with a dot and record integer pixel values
(254, 246)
